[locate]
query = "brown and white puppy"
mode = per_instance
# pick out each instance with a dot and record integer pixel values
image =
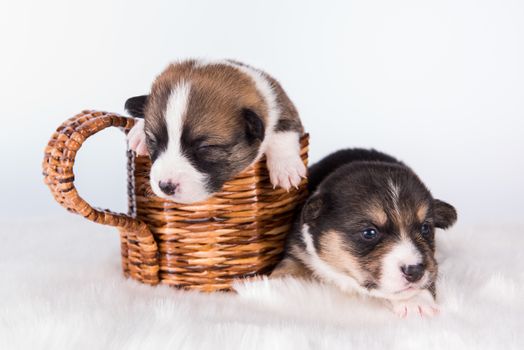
(205, 121)
(369, 227)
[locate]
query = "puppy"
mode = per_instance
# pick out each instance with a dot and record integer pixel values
(369, 227)
(204, 122)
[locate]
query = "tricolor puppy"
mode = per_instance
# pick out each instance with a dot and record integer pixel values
(369, 227)
(204, 122)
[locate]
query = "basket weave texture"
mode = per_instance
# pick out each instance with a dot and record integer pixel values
(237, 233)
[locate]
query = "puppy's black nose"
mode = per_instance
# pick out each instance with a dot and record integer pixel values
(167, 187)
(413, 273)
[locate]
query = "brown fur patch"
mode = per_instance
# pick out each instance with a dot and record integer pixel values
(218, 92)
(332, 251)
(372, 262)
(289, 119)
(290, 267)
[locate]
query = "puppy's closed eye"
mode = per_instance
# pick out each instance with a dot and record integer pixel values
(207, 147)
(212, 152)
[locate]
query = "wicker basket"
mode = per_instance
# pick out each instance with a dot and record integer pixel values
(237, 233)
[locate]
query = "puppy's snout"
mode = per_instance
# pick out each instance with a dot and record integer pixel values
(413, 273)
(167, 187)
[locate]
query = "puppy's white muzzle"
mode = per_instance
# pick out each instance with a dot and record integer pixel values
(398, 277)
(177, 180)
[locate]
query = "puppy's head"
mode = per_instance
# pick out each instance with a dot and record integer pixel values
(203, 125)
(375, 222)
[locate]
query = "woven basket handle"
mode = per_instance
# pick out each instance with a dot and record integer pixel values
(58, 163)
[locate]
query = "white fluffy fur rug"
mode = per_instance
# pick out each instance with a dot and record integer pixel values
(61, 288)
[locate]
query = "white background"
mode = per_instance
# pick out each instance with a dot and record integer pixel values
(438, 84)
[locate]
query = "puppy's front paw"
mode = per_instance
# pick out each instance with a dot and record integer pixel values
(286, 171)
(137, 139)
(421, 305)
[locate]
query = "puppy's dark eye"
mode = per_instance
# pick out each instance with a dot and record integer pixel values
(369, 234)
(425, 229)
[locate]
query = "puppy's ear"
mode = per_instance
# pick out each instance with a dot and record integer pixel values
(136, 106)
(312, 208)
(444, 213)
(255, 129)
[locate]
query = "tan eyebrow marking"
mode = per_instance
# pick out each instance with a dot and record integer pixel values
(422, 211)
(377, 215)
